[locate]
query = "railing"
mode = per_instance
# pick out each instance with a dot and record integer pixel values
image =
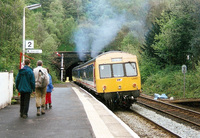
(6, 88)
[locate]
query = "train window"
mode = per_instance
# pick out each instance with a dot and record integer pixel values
(89, 73)
(118, 70)
(81, 73)
(131, 69)
(105, 71)
(78, 73)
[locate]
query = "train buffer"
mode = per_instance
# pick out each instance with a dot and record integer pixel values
(75, 114)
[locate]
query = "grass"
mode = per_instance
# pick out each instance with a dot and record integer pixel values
(171, 83)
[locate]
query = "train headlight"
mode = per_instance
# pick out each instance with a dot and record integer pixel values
(104, 88)
(134, 85)
(119, 87)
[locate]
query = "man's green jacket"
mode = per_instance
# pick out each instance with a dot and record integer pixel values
(25, 80)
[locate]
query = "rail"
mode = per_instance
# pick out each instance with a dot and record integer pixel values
(187, 115)
(159, 126)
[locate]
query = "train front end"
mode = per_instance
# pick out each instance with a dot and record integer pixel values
(118, 78)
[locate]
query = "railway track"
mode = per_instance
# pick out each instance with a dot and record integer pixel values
(172, 135)
(158, 129)
(143, 126)
(187, 115)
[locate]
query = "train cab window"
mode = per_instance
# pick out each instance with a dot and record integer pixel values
(131, 69)
(105, 71)
(118, 70)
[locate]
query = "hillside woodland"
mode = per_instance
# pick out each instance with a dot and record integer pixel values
(164, 34)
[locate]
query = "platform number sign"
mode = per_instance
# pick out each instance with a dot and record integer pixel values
(29, 44)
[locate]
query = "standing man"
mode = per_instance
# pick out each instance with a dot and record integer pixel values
(41, 82)
(25, 84)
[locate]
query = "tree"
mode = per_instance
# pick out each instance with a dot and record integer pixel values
(45, 6)
(195, 41)
(173, 43)
(67, 34)
(10, 34)
(147, 48)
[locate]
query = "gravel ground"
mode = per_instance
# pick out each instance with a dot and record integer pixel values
(140, 126)
(177, 128)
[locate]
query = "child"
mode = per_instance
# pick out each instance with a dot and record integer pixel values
(49, 90)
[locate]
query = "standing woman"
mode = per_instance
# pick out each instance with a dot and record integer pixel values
(49, 90)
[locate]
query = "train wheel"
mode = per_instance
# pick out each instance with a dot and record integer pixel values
(111, 104)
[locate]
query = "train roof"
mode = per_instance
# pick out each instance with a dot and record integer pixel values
(109, 52)
(103, 54)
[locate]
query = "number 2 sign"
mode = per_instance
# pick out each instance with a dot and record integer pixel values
(29, 44)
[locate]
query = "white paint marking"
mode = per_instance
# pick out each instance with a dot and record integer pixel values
(98, 126)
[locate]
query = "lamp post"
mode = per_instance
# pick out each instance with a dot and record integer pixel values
(30, 7)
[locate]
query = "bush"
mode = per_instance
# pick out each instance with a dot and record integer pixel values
(147, 68)
(170, 81)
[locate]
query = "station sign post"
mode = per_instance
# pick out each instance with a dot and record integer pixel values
(62, 68)
(30, 47)
(184, 70)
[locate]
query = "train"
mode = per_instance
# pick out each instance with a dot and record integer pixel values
(113, 75)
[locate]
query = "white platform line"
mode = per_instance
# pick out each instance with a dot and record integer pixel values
(98, 126)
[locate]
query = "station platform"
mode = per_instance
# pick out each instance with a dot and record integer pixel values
(75, 114)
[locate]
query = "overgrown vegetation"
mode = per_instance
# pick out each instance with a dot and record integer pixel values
(169, 44)
(164, 34)
(170, 81)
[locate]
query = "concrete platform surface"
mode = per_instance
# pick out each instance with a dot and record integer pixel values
(75, 114)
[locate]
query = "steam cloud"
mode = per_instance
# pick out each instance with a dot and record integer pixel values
(101, 27)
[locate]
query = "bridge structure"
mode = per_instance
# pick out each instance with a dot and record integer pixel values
(70, 60)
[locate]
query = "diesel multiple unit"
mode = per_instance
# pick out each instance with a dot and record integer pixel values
(113, 75)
